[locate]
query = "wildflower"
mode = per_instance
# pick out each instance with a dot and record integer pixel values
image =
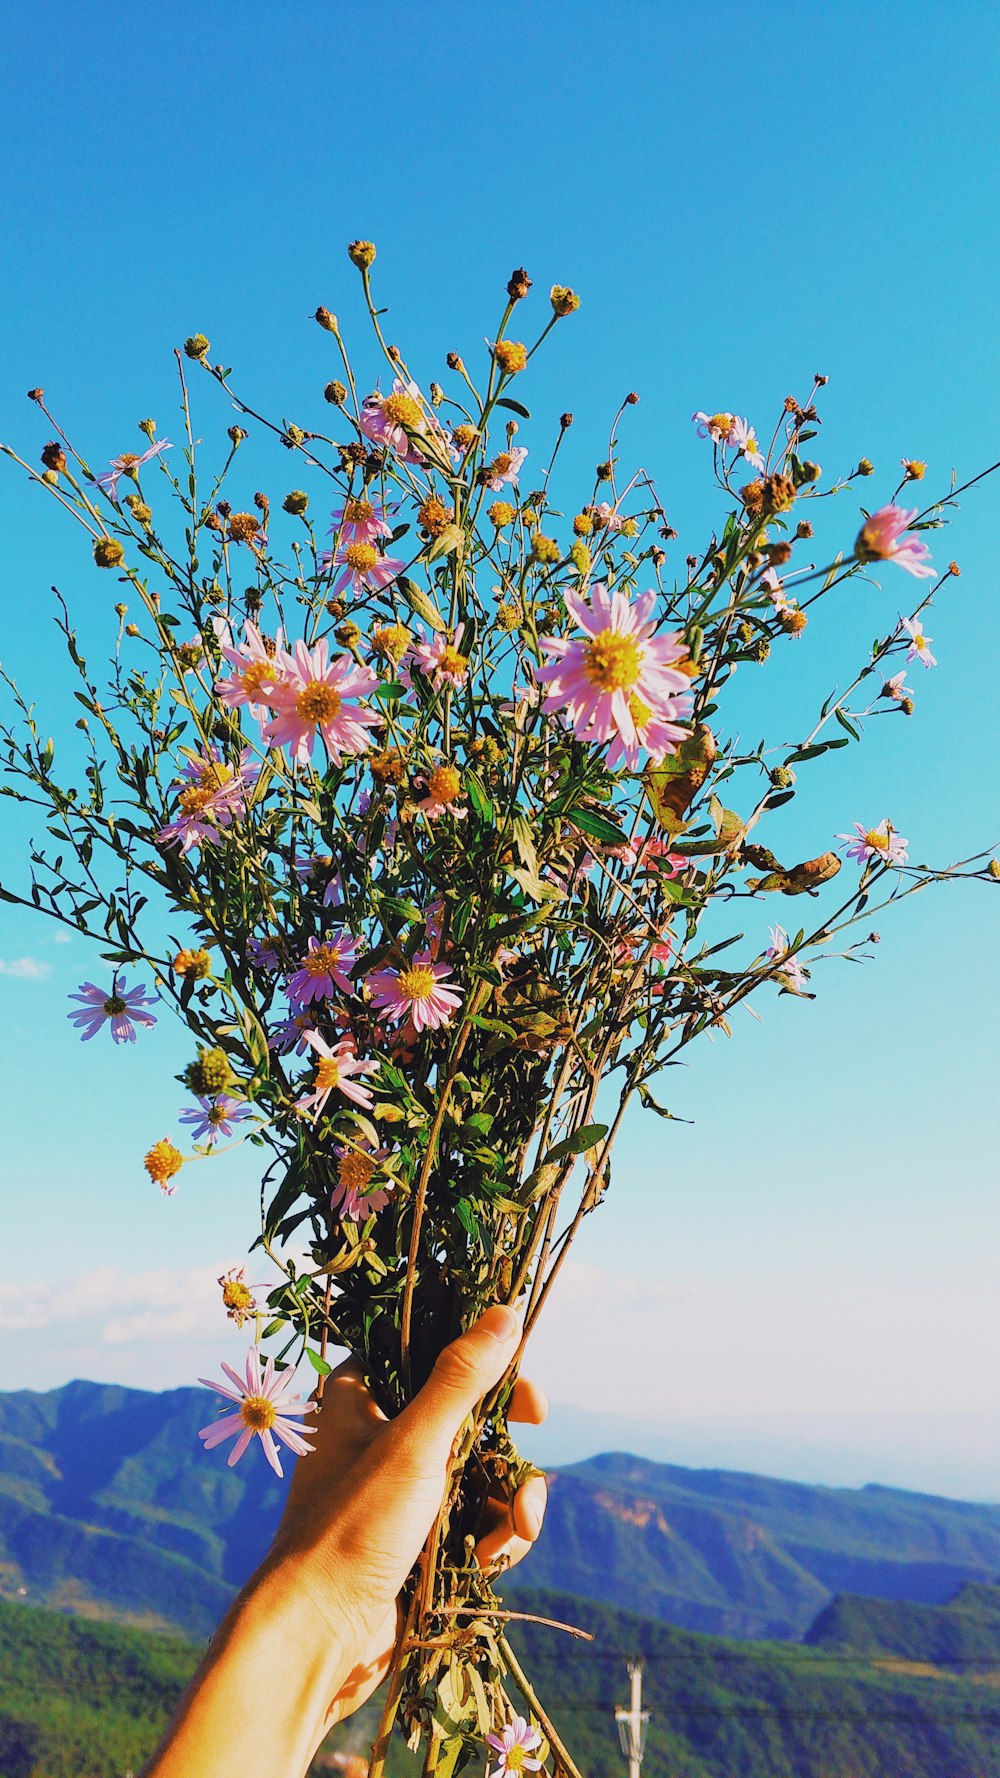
(606, 516)
(391, 641)
(397, 421)
(261, 955)
(545, 549)
(363, 568)
(500, 514)
(744, 438)
(237, 1296)
(212, 795)
(324, 969)
(619, 683)
(777, 952)
(193, 965)
(914, 469)
(894, 688)
(505, 469)
(246, 527)
(294, 1033)
(161, 1163)
(564, 301)
(122, 1008)
(360, 521)
(335, 1070)
(919, 649)
(885, 538)
(443, 788)
(196, 346)
(108, 552)
(388, 766)
(213, 1118)
(354, 1196)
(879, 845)
(416, 991)
(257, 670)
(129, 463)
(513, 1746)
(210, 1074)
(511, 356)
(441, 660)
(265, 1407)
(317, 696)
(720, 428)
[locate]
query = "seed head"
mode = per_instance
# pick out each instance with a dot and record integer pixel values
(435, 516)
(108, 552)
(454, 362)
(583, 524)
(564, 300)
(545, 549)
(362, 254)
(193, 965)
(296, 502)
(565, 421)
(210, 1074)
(326, 319)
(581, 559)
(196, 346)
(54, 457)
(500, 514)
(518, 284)
(336, 393)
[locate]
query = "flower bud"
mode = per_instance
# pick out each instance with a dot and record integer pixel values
(149, 428)
(132, 630)
(865, 467)
(108, 552)
(362, 254)
(236, 435)
(631, 399)
(906, 705)
(804, 529)
(336, 393)
(120, 610)
(778, 553)
(292, 437)
(36, 394)
(563, 300)
(210, 1074)
(994, 869)
(914, 469)
(196, 346)
(581, 559)
(953, 568)
(141, 513)
(454, 362)
(54, 457)
(604, 471)
(436, 394)
(348, 634)
(810, 472)
(296, 502)
(193, 965)
(326, 319)
(782, 778)
(583, 524)
(565, 421)
(500, 513)
(518, 284)
(545, 549)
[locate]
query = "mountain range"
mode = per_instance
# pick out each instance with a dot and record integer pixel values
(109, 1506)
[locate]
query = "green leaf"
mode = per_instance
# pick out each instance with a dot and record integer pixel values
(854, 733)
(586, 1137)
(597, 827)
(515, 406)
(479, 798)
(319, 1364)
(421, 603)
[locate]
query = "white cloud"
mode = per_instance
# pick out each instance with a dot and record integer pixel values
(25, 969)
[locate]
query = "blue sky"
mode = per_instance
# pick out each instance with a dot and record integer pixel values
(740, 204)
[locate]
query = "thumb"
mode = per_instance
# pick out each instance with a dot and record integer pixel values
(465, 1371)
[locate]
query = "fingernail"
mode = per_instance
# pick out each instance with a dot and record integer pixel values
(499, 1322)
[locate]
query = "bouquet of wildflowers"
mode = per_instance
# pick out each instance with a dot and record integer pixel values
(417, 799)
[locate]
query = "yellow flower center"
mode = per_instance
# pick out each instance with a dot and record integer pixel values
(639, 712)
(452, 662)
(323, 960)
(878, 841)
(612, 661)
(327, 1074)
(236, 1295)
(127, 462)
(163, 1161)
(444, 784)
(196, 798)
(513, 1758)
(193, 963)
(214, 775)
(721, 422)
(257, 1412)
(358, 512)
(870, 547)
(361, 557)
(255, 675)
(216, 1115)
(355, 1171)
(920, 641)
(416, 984)
(402, 410)
(113, 1004)
(501, 463)
(391, 640)
(318, 703)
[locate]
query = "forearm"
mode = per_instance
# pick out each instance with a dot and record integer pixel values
(260, 1703)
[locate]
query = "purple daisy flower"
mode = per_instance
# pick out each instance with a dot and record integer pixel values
(123, 1009)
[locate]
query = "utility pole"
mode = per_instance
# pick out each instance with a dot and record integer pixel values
(632, 1722)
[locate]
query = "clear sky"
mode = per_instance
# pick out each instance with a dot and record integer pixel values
(742, 198)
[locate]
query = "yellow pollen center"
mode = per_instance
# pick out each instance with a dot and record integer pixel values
(639, 712)
(612, 661)
(127, 461)
(416, 984)
(214, 775)
(258, 673)
(392, 640)
(327, 1074)
(721, 422)
(514, 1758)
(355, 1171)
(195, 799)
(453, 662)
(236, 1295)
(257, 1412)
(216, 1115)
(502, 462)
(358, 512)
(402, 410)
(361, 557)
(444, 784)
(323, 960)
(920, 641)
(878, 841)
(318, 703)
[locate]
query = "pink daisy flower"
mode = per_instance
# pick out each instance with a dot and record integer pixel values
(212, 795)
(129, 463)
(618, 684)
(324, 969)
(513, 1748)
(265, 1406)
(885, 538)
(606, 517)
(364, 569)
(336, 1068)
(317, 696)
(881, 844)
(506, 467)
(919, 649)
(720, 428)
(441, 660)
(361, 521)
(441, 789)
(392, 420)
(257, 670)
(896, 688)
(777, 952)
(416, 991)
(354, 1197)
(213, 1118)
(122, 1009)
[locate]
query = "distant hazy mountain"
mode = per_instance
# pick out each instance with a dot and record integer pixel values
(109, 1505)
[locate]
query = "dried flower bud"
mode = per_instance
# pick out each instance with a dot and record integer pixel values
(454, 362)
(362, 254)
(759, 652)
(804, 529)
(36, 394)
(657, 556)
(435, 516)
(141, 513)
(913, 468)
(326, 319)
(954, 569)
(394, 353)
(465, 436)
(518, 284)
(631, 399)
(336, 393)
(565, 421)
(292, 437)
(244, 527)
(511, 356)
(906, 705)
(120, 610)
(54, 457)
(336, 607)
(296, 502)
(190, 654)
(563, 300)
(196, 346)
(224, 508)
(132, 630)
(865, 467)
(500, 514)
(436, 394)
(820, 381)
(604, 471)
(348, 634)
(782, 778)
(752, 496)
(352, 454)
(508, 616)
(810, 472)
(262, 502)
(108, 552)
(388, 766)
(778, 553)
(193, 965)
(793, 621)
